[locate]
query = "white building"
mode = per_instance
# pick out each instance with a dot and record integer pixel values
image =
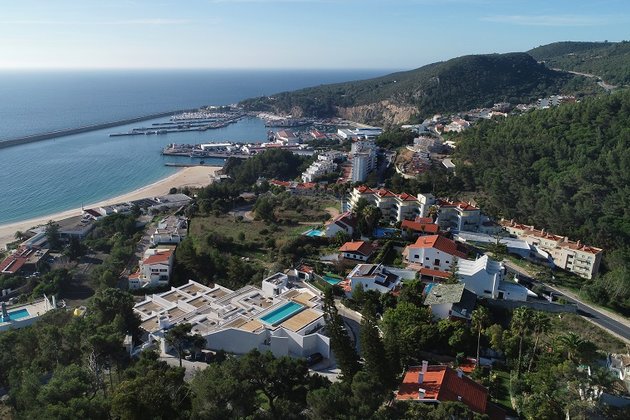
(154, 269)
(449, 301)
(485, 278)
(342, 223)
(433, 252)
(170, 230)
(373, 277)
(394, 207)
(238, 321)
(20, 316)
(323, 165)
(356, 251)
(575, 257)
(364, 159)
(458, 216)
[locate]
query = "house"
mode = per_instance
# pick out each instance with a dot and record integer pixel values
(449, 301)
(237, 321)
(619, 364)
(436, 384)
(170, 230)
(433, 252)
(287, 137)
(23, 260)
(358, 251)
(422, 226)
(575, 257)
(23, 315)
(154, 269)
(343, 223)
(373, 277)
(486, 278)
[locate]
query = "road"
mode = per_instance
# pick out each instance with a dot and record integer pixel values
(615, 324)
(619, 329)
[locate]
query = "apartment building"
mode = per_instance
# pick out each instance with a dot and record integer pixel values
(394, 207)
(572, 256)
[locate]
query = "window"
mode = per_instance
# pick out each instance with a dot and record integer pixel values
(427, 258)
(436, 262)
(416, 256)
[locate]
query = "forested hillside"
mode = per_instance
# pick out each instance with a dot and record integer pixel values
(458, 84)
(608, 60)
(565, 169)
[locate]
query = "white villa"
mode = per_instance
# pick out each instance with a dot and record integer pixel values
(170, 230)
(283, 320)
(433, 252)
(20, 316)
(372, 277)
(154, 270)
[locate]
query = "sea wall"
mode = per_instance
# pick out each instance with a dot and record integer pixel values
(60, 133)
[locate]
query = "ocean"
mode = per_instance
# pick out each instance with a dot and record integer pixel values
(63, 173)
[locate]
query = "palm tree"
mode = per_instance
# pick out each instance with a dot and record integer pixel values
(541, 324)
(480, 318)
(572, 344)
(19, 235)
(520, 324)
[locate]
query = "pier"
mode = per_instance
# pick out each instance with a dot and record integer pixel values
(60, 133)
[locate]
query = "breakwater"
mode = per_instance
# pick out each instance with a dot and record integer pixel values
(60, 133)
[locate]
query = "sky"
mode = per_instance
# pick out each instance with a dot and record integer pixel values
(290, 34)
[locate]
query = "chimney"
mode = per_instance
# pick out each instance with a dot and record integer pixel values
(425, 366)
(421, 393)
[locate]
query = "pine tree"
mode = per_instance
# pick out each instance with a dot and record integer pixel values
(372, 347)
(340, 343)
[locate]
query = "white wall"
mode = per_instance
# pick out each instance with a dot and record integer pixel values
(235, 341)
(432, 254)
(441, 311)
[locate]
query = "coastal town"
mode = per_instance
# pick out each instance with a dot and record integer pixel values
(274, 263)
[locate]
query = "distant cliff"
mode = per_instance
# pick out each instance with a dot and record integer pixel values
(454, 85)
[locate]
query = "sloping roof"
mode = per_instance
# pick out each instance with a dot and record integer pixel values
(440, 243)
(444, 293)
(364, 189)
(407, 197)
(442, 383)
(419, 226)
(359, 247)
(159, 257)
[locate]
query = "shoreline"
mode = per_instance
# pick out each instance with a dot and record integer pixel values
(198, 176)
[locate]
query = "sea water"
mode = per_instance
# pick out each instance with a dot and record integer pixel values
(63, 173)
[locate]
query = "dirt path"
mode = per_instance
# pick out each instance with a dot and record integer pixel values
(333, 211)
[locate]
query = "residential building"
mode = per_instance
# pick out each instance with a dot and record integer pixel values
(394, 207)
(457, 125)
(323, 165)
(619, 364)
(372, 277)
(458, 216)
(287, 137)
(23, 260)
(364, 159)
(287, 324)
(23, 315)
(154, 269)
(486, 278)
(357, 251)
(343, 223)
(434, 252)
(436, 384)
(449, 301)
(170, 201)
(575, 257)
(422, 226)
(170, 230)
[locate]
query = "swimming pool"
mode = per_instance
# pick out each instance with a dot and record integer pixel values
(332, 280)
(21, 313)
(385, 232)
(278, 315)
(313, 232)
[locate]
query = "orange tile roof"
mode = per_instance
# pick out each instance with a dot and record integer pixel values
(359, 247)
(442, 383)
(420, 227)
(424, 220)
(364, 189)
(407, 197)
(440, 243)
(159, 257)
(460, 204)
(385, 193)
(434, 273)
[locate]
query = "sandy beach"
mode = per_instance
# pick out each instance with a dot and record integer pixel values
(197, 176)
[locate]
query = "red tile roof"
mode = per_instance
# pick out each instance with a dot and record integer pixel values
(459, 204)
(385, 193)
(442, 383)
(440, 243)
(159, 257)
(14, 262)
(359, 247)
(407, 197)
(420, 227)
(364, 189)
(434, 273)
(305, 268)
(424, 220)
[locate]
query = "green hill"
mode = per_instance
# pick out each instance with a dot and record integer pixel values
(454, 85)
(608, 60)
